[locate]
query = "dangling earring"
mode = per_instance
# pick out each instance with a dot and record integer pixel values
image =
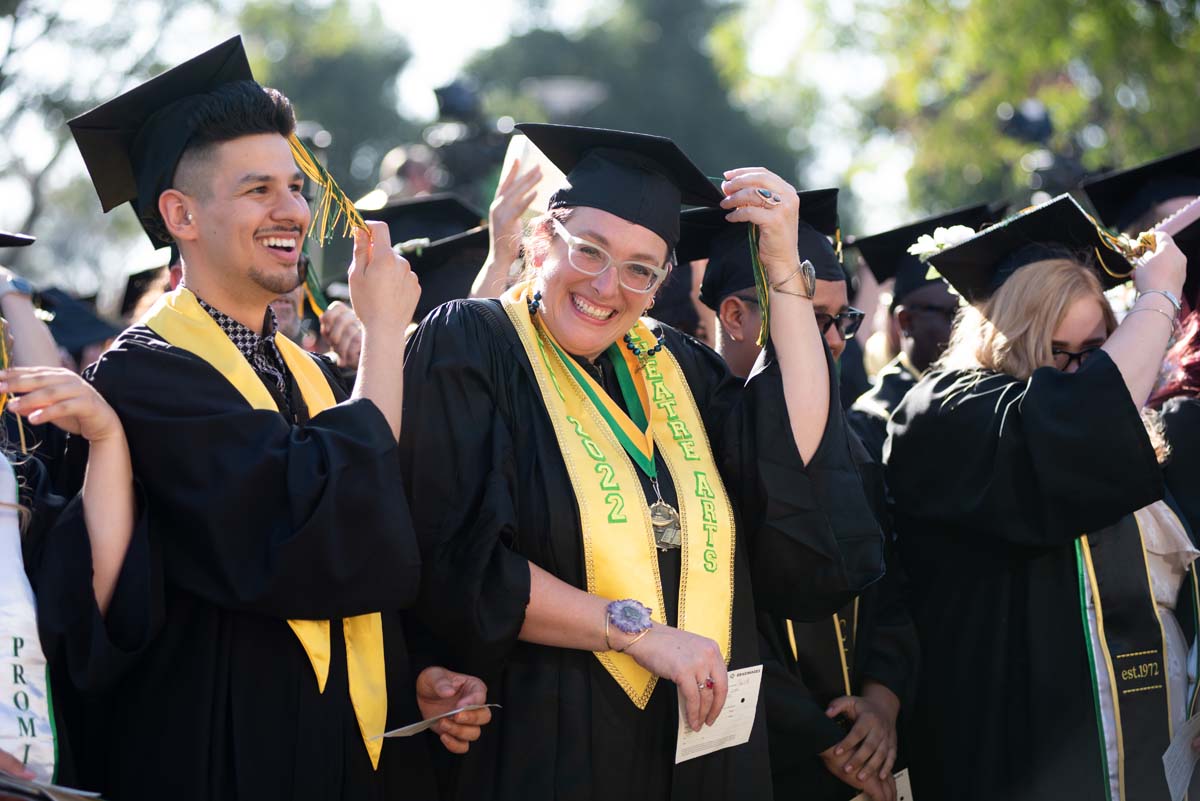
(535, 302)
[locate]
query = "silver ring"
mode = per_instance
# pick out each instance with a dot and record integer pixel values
(700, 686)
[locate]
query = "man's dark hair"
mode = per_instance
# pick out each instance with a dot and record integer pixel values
(234, 110)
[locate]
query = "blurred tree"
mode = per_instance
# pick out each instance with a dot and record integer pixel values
(647, 66)
(1015, 98)
(55, 63)
(339, 64)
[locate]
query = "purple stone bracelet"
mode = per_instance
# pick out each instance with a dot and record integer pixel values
(630, 616)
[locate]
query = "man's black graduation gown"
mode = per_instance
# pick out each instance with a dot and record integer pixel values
(489, 493)
(993, 480)
(255, 518)
(800, 687)
(1181, 419)
(869, 414)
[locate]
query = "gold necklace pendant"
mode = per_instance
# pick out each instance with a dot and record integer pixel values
(665, 520)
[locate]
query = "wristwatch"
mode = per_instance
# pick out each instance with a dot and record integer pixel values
(16, 285)
(808, 276)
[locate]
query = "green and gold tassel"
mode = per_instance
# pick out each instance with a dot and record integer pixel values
(333, 209)
(761, 286)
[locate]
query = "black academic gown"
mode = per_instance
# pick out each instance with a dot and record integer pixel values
(490, 493)
(993, 480)
(255, 518)
(1181, 419)
(85, 650)
(799, 686)
(869, 414)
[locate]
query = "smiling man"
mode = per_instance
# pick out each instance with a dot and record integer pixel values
(283, 546)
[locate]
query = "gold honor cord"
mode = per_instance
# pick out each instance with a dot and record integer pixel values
(179, 319)
(334, 208)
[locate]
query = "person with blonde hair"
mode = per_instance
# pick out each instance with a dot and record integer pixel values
(1029, 513)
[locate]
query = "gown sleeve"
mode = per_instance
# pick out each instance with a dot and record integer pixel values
(1181, 418)
(1033, 463)
(251, 512)
(456, 452)
(812, 540)
(94, 648)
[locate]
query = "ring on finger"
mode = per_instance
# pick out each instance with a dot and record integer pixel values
(770, 199)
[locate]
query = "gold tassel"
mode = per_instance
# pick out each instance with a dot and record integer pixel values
(760, 284)
(333, 207)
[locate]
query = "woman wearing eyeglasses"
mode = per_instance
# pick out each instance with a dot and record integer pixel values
(1028, 509)
(596, 495)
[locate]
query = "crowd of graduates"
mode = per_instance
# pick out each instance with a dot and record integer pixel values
(556, 479)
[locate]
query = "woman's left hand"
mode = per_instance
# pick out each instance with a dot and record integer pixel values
(440, 691)
(57, 395)
(777, 215)
(870, 747)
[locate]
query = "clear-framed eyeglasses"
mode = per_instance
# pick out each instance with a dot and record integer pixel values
(589, 258)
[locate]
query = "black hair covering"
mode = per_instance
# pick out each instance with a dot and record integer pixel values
(132, 144)
(726, 245)
(1058, 228)
(640, 178)
(887, 256)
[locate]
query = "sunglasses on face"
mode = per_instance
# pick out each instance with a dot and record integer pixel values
(848, 322)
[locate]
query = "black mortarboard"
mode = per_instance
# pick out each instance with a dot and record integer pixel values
(431, 217)
(1123, 196)
(132, 144)
(74, 325)
(8, 240)
(707, 234)
(887, 256)
(1058, 228)
(448, 267)
(638, 177)
(139, 283)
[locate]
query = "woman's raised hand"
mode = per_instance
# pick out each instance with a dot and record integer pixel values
(57, 395)
(759, 196)
(1164, 270)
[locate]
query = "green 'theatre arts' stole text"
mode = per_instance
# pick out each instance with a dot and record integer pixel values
(594, 435)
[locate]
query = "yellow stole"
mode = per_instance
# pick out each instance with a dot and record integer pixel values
(620, 556)
(179, 319)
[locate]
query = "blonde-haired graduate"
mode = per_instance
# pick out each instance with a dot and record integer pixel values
(1049, 577)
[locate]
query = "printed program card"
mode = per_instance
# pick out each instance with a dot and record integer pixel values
(733, 725)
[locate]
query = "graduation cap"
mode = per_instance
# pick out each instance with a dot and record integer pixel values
(1123, 196)
(432, 217)
(448, 267)
(638, 177)
(707, 234)
(1058, 228)
(132, 144)
(8, 240)
(887, 256)
(73, 324)
(138, 284)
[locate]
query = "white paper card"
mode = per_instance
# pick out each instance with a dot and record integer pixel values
(1180, 760)
(903, 788)
(420, 726)
(732, 727)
